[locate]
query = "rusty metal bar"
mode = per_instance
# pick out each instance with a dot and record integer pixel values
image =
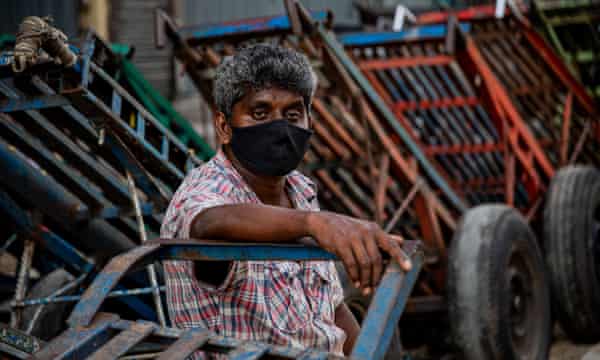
(54, 294)
(119, 345)
(188, 342)
(340, 53)
(150, 268)
(381, 188)
(565, 131)
(402, 208)
(22, 281)
(373, 339)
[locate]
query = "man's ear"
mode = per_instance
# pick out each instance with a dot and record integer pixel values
(222, 128)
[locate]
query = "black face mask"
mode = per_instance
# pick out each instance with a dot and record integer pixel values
(274, 148)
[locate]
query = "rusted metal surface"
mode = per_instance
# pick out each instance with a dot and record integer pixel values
(69, 135)
(543, 109)
(107, 337)
(18, 344)
(130, 335)
(432, 98)
(188, 342)
(150, 269)
(411, 129)
(500, 142)
(374, 339)
(22, 280)
(106, 281)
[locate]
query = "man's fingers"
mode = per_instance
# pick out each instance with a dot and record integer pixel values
(375, 256)
(397, 238)
(395, 251)
(364, 262)
(350, 264)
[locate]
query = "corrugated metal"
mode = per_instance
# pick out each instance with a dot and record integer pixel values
(132, 23)
(64, 12)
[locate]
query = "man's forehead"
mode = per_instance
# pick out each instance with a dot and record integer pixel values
(271, 94)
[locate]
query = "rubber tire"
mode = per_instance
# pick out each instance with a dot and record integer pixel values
(51, 321)
(572, 260)
(478, 291)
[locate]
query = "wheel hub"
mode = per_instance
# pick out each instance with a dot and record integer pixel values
(522, 308)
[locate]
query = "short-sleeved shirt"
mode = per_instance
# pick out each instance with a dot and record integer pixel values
(280, 302)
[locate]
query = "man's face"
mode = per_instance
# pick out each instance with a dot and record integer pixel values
(262, 106)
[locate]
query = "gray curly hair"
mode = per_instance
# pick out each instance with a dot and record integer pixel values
(259, 67)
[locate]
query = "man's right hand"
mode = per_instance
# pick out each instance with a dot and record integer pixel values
(358, 244)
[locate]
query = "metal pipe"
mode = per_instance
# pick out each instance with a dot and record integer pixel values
(150, 268)
(22, 281)
(390, 225)
(56, 293)
(72, 298)
(95, 236)
(8, 243)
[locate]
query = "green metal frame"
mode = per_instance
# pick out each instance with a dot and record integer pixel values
(555, 16)
(6, 39)
(160, 107)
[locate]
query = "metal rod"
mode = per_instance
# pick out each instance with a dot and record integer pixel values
(22, 280)
(580, 142)
(385, 310)
(150, 268)
(8, 243)
(74, 298)
(402, 208)
(56, 293)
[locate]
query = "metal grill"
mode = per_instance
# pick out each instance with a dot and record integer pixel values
(432, 98)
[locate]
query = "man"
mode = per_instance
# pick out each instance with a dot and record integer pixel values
(250, 192)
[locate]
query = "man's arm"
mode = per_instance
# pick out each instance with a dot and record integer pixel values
(345, 320)
(250, 222)
(356, 242)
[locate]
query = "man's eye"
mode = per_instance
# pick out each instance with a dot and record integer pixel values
(293, 114)
(259, 114)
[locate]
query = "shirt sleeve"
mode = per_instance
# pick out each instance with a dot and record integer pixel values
(194, 197)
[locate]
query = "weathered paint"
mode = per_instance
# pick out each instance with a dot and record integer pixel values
(385, 310)
(90, 331)
(411, 34)
(265, 24)
(36, 103)
(18, 343)
(188, 342)
(118, 346)
(370, 92)
(106, 281)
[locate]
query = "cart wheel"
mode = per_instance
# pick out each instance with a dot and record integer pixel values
(572, 245)
(51, 320)
(498, 297)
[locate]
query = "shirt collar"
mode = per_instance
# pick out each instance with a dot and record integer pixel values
(296, 184)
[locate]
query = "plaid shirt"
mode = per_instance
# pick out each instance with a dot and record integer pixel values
(279, 302)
